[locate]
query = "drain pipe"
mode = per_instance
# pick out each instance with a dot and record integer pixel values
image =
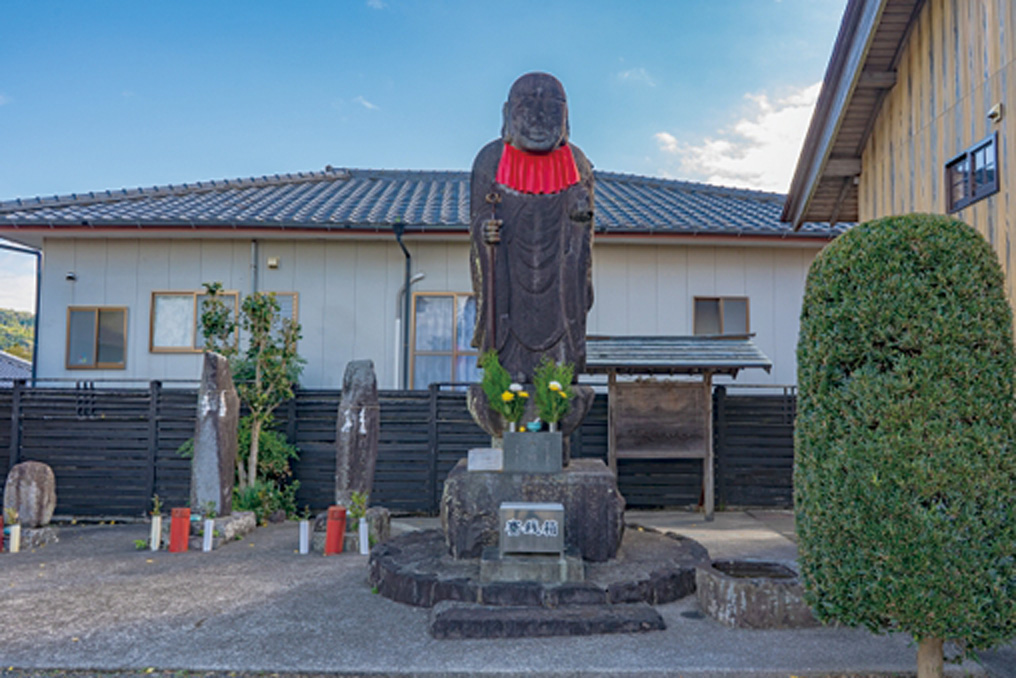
(399, 229)
(253, 266)
(38, 293)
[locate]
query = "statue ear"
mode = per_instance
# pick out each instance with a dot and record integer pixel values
(505, 135)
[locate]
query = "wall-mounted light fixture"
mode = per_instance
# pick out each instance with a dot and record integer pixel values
(71, 276)
(273, 262)
(995, 114)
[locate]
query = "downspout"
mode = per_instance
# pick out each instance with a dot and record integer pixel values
(399, 228)
(253, 266)
(38, 293)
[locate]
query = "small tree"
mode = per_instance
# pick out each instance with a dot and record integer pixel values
(904, 462)
(265, 371)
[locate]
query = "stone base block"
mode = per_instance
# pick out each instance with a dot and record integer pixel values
(593, 507)
(546, 569)
(35, 538)
(455, 620)
(379, 524)
(229, 528)
(752, 595)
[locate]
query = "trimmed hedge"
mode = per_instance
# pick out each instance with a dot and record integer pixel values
(905, 470)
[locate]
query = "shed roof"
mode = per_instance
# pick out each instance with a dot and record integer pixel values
(861, 70)
(674, 355)
(12, 368)
(351, 199)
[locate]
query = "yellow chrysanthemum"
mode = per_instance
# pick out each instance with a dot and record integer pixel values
(563, 394)
(554, 386)
(507, 396)
(523, 394)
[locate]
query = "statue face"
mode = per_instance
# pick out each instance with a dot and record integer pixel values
(536, 114)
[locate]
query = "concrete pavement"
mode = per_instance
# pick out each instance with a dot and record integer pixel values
(94, 602)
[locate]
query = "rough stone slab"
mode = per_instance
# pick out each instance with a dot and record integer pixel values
(546, 569)
(38, 537)
(457, 621)
(593, 506)
(30, 490)
(213, 466)
(357, 432)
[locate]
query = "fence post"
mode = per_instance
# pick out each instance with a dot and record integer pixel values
(721, 443)
(15, 451)
(432, 448)
(153, 440)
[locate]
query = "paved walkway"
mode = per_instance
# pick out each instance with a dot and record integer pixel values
(93, 602)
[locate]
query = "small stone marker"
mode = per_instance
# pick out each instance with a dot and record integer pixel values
(31, 491)
(528, 527)
(486, 459)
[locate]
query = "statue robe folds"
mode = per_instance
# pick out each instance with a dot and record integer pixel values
(543, 263)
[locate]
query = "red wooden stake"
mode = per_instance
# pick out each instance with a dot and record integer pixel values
(179, 530)
(336, 530)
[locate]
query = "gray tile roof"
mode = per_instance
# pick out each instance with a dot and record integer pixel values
(674, 355)
(336, 199)
(13, 367)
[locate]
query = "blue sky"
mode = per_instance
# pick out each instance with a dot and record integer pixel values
(109, 94)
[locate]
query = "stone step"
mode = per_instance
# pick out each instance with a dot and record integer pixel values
(462, 620)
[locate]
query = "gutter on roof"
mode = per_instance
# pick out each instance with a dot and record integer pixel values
(860, 19)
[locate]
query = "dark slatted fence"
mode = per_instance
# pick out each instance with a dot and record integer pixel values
(111, 449)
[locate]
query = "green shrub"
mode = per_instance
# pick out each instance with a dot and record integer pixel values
(905, 475)
(265, 497)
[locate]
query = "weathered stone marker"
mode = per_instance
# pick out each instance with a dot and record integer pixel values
(486, 459)
(31, 491)
(358, 430)
(214, 463)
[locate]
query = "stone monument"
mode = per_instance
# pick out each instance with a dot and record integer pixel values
(359, 427)
(213, 467)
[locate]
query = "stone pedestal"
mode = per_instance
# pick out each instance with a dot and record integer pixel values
(593, 507)
(555, 568)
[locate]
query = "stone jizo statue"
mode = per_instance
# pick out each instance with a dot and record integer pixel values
(531, 225)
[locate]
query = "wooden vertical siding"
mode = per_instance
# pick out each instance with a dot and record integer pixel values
(958, 61)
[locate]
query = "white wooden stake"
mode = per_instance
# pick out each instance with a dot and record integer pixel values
(304, 537)
(206, 545)
(155, 538)
(364, 537)
(15, 538)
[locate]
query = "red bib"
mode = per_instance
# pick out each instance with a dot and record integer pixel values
(537, 173)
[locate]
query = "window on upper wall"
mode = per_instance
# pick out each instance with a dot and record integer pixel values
(96, 338)
(972, 175)
(721, 315)
(442, 329)
(176, 321)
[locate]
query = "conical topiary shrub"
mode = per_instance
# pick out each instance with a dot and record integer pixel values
(905, 472)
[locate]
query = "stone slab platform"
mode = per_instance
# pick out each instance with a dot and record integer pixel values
(458, 620)
(651, 567)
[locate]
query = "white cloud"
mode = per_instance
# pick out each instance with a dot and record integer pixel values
(758, 151)
(366, 104)
(637, 75)
(17, 281)
(377, 4)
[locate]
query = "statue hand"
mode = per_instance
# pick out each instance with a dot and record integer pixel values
(492, 231)
(580, 206)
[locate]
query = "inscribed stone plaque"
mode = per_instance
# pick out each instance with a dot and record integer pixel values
(529, 527)
(486, 459)
(532, 452)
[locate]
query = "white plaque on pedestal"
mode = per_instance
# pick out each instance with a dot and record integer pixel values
(486, 459)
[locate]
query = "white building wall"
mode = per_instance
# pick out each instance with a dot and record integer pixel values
(348, 295)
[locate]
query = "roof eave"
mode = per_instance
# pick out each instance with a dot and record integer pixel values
(860, 20)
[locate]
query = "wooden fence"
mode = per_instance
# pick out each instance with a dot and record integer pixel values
(112, 449)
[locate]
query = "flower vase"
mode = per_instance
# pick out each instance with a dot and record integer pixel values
(552, 427)
(511, 426)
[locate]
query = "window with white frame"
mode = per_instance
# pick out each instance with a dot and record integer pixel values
(721, 315)
(96, 337)
(442, 329)
(176, 320)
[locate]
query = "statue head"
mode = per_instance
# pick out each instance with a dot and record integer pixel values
(536, 114)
